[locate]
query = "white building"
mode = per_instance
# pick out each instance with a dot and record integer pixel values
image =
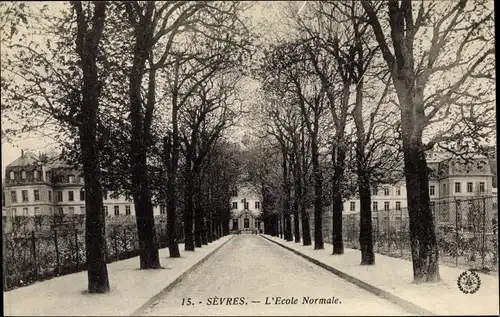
(449, 180)
(52, 187)
(245, 209)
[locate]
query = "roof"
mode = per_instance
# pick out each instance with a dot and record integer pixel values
(24, 160)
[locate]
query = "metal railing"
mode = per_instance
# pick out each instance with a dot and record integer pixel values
(39, 248)
(466, 231)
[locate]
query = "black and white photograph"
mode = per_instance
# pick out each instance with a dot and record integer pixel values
(249, 158)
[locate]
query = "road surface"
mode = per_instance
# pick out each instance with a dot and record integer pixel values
(250, 276)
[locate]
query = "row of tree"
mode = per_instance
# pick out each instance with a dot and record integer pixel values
(356, 96)
(140, 95)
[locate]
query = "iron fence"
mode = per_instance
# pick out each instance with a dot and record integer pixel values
(38, 249)
(466, 231)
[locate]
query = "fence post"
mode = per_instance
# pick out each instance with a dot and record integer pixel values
(33, 243)
(378, 232)
(456, 233)
(401, 246)
(57, 253)
(77, 251)
(483, 234)
(125, 239)
(116, 244)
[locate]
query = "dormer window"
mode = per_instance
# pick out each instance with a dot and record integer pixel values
(12, 175)
(23, 174)
(71, 179)
(35, 174)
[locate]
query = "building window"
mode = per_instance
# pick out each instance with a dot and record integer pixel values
(469, 187)
(24, 195)
(352, 206)
(60, 210)
(432, 190)
(482, 187)
(71, 210)
(105, 195)
(13, 196)
(235, 224)
(235, 205)
(127, 210)
(82, 195)
(234, 192)
(37, 211)
(398, 205)
(246, 223)
(82, 210)
(25, 211)
(23, 174)
(375, 206)
(117, 210)
(35, 174)
(14, 212)
(50, 195)
(59, 196)
(386, 191)
(457, 187)
(106, 211)
(71, 179)
(257, 205)
(12, 175)
(246, 205)
(374, 192)
(494, 205)
(444, 190)
(36, 194)
(71, 196)
(398, 191)
(162, 209)
(386, 206)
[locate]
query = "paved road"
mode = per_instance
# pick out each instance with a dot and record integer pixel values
(256, 270)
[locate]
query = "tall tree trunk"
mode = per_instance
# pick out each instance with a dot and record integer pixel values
(172, 161)
(424, 246)
(188, 206)
(338, 206)
(286, 198)
(87, 46)
(306, 229)
(365, 219)
(149, 258)
(198, 216)
(297, 190)
(318, 196)
(226, 218)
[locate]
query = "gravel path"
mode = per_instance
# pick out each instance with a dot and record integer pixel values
(252, 271)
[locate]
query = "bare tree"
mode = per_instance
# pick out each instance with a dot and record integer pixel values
(65, 91)
(442, 38)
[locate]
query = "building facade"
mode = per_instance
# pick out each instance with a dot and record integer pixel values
(449, 181)
(35, 187)
(245, 210)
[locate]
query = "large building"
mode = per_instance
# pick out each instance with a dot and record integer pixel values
(245, 210)
(36, 185)
(449, 181)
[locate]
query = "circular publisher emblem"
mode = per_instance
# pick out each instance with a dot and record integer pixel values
(469, 282)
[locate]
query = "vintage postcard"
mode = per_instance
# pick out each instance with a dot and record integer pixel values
(249, 158)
